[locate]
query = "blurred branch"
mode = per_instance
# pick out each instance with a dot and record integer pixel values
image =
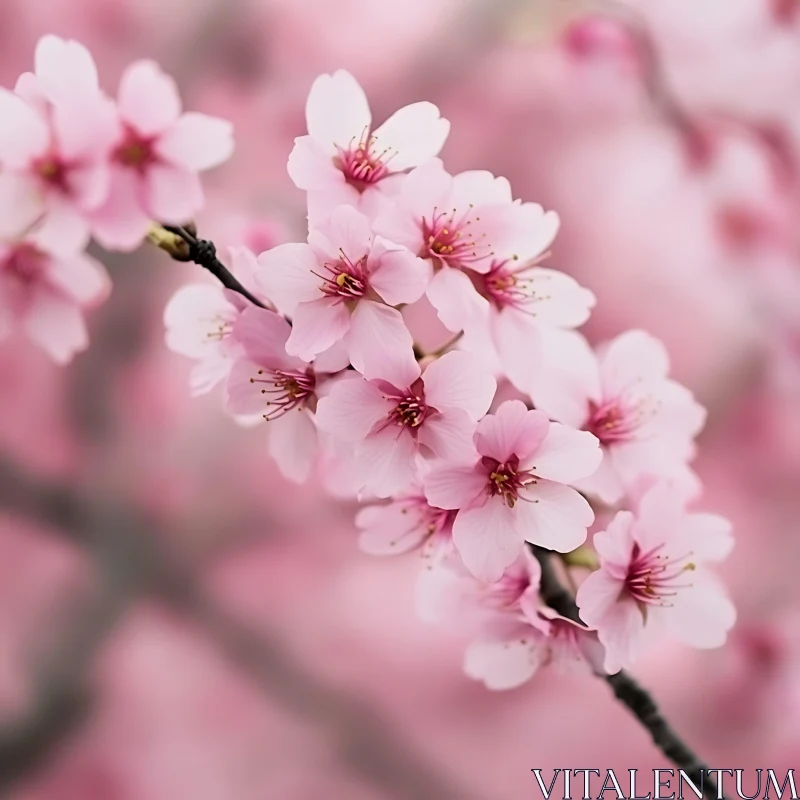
(140, 563)
(626, 689)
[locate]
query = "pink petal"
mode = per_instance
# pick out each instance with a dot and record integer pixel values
(412, 135)
(293, 444)
(209, 372)
(710, 536)
(519, 347)
(598, 593)
(512, 430)
(399, 277)
(323, 202)
(337, 111)
(380, 345)
(480, 187)
(243, 394)
(316, 326)
(504, 665)
(615, 544)
(23, 134)
(80, 277)
(344, 231)
(286, 276)
(487, 539)
(334, 359)
(352, 409)
(173, 194)
(455, 299)
(311, 166)
(701, 615)
(604, 483)
(148, 98)
(86, 129)
(455, 487)
(63, 230)
(57, 326)
(192, 316)
(386, 461)
(121, 222)
(454, 381)
(64, 69)
(390, 529)
(621, 632)
(263, 334)
(566, 455)
(449, 435)
(21, 204)
(634, 357)
(89, 186)
(197, 142)
(558, 299)
(553, 516)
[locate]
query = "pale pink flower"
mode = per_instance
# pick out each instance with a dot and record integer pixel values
(45, 293)
(646, 423)
(341, 286)
(343, 160)
(158, 152)
(408, 522)
(56, 136)
(467, 226)
(199, 321)
(433, 414)
(653, 578)
(282, 388)
(516, 489)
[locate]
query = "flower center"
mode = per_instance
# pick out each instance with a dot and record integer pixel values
(345, 278)
(410, 409)
(24, 264)
(506, 479)
(654, 578)
(506, 284)
(223, 328)
(53, 171)
(284, 391)
(362, 163)
(450, 238)
(613, 421)
(135, 151)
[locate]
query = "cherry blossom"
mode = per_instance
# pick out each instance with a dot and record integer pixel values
(341, 286)
(516, 489)
(45, 294)
(653, 578)
(283, 389)
(467, 226)
(646, 423)
(157, 154)
(433, 414)
(56, 137)
(343, 160)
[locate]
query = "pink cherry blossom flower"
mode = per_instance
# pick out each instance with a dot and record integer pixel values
(653, 579)
(45, 294)
(646, 423)
(473, 232)
(199, 322)
(283, 389)
(343, 161)
(157, 154)
(341, 286)
(55, 140)
(434, 414)
(516, 490)
(408, 522)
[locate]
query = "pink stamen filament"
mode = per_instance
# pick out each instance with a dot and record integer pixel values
(345, 278)
(448, 236)
(652, 578)
(507, 480)
(361, 163)
(286, 390)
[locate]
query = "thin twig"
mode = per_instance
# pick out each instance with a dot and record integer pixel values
(204, 253)
(626, 689)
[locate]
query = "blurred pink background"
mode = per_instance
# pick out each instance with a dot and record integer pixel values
(666, 133)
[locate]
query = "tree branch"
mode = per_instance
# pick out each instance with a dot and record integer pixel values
(204, 253)
(626, 689)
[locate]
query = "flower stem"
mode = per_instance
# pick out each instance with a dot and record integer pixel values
(637, 699)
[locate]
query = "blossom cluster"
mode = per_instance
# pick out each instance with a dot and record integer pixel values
(483, 454)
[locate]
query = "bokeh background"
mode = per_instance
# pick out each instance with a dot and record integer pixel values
(176, 621)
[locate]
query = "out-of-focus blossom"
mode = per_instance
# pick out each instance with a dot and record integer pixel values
(343, 161)
(341, 286)
(55, 140)
(646, 423)
(434, 415)
(45, 293)
(653, 578)
(157, 155)
(516, 490)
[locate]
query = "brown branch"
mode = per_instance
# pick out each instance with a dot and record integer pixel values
(626, 689)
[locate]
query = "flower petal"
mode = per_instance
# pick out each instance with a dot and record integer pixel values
(453, 381)
(566, 455)
(148, 98)
(456, 300)
(487, 539)
(554, 516)
(400, 277)
(197, 142)
(286, 276)
(412, 135)
(512, 430)
(293, 444)
(455, 487)
(352, 409)
(337, 110)
(316, 326)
